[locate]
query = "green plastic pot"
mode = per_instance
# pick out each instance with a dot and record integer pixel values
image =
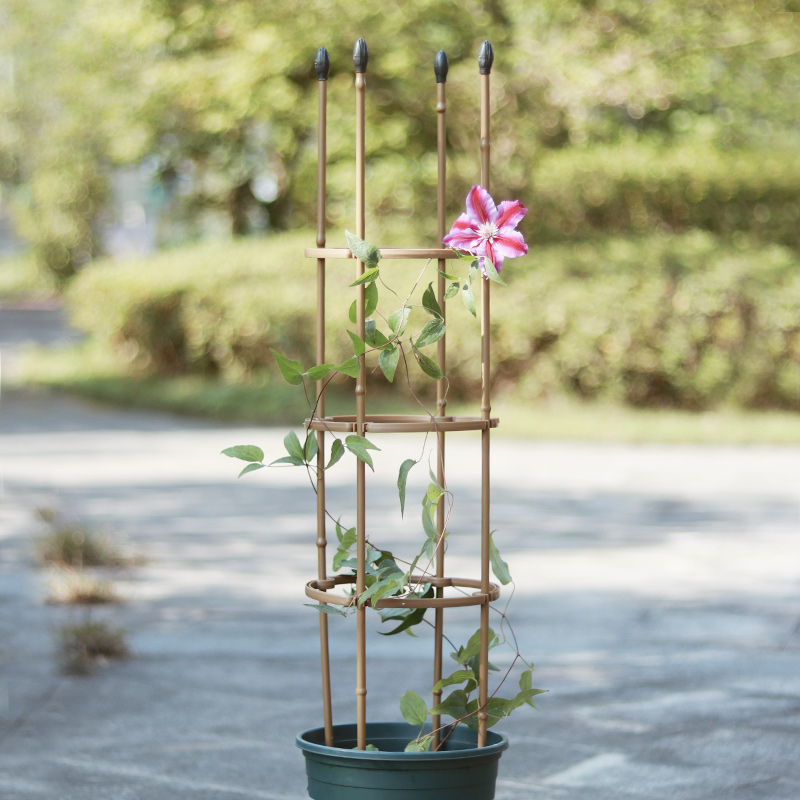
(459, 771)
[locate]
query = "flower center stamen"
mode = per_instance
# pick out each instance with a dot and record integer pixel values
(487, 231)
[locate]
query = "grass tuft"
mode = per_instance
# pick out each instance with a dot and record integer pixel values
(75, 587)
(74, 547)
(85, 646)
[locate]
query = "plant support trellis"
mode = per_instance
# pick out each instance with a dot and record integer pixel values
(482, 590)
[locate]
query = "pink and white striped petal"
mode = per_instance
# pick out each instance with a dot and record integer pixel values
(480, 206)
(509, 244)
(463, 235)
(510, 212)
(494, 255)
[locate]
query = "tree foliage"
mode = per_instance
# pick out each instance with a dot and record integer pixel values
(220, 96)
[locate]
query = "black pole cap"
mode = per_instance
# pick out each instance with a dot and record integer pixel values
(485, 58)
(440, 67)
(322, 64)
(361, 55)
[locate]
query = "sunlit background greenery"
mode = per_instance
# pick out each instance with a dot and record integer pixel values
(654, 142)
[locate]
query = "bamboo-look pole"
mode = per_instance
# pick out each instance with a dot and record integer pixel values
(322, 64)
(360, 58)
(440, 67)
(485, 59)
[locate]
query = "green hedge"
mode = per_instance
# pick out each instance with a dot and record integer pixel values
(639, 188)
(215, 307)
(684, 321)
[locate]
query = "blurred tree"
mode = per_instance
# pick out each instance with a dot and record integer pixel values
(218, 95)
(51, 156)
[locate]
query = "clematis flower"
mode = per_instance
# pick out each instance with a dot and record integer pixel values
(487, 231)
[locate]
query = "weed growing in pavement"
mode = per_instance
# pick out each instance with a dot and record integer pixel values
(85, 646)
(73, 546)
(76, 587)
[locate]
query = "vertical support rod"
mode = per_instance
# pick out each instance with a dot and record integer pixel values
(440, 70)
(322, 65)
(485, 59)
(360, 56)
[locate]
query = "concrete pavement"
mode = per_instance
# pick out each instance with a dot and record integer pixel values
(658, 592)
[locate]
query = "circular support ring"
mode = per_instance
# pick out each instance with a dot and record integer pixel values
(318, 590)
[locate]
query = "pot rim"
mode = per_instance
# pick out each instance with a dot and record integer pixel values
(496, 743)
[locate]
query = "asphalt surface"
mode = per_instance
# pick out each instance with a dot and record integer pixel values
(657, 591)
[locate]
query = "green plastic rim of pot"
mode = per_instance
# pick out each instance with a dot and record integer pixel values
(391, 738)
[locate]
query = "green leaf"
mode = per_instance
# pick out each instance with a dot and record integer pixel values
(362, 250)
(473, 648)
(379, 589)
(373, 336)
(346, 541)
(311, 448)
(370, 299)
(413, 708)
(429, 302)
(388, 361)
(349, 367)
(459, 676)
(358, 446)
(427, 365)
(367, 276)
(358, 343)
(429, 519)
(398, 320)
(420, 745)
(337, 451)
(447, 276)
(349, 538)
(469, 299)
(491, 271)
(454, 705)
(372, 749)
(524, 697)
(466, 256)
(430, 333)
(496, 709)
(293, 446)
(328, 609)
(402, 478)
(293, 460)
(474, 271)
(525, 681)
(251, 468)
(319, 372)
(370, 303)
(434, 492)
(408, 622)
(246, 452)
(291, 370)
(452, 290)
(499, 567)
(411, 567)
